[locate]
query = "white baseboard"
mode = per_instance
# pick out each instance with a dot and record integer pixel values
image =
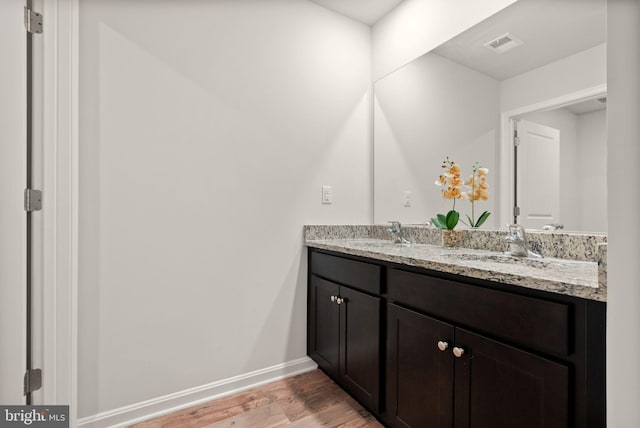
(149, 409)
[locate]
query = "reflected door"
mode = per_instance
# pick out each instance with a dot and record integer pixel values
(537, 174)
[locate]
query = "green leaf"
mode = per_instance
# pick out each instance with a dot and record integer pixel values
(483, 217)
(470, 221)
(452, 219)
(443, 220)
(437, 223)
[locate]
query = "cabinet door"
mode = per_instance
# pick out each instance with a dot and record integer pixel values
(324, 327)
(419, 374)
(360, 346)
(499, 386)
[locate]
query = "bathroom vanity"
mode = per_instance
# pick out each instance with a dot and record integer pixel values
(429, 337)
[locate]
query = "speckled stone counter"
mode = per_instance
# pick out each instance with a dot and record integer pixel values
(580, 277)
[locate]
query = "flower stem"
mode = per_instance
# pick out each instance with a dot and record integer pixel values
(473, 213)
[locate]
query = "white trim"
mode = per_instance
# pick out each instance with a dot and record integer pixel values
(506, 143)
(60, 184)
(13, 221)
(149, 409)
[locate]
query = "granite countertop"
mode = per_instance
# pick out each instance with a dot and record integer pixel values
(579, 278)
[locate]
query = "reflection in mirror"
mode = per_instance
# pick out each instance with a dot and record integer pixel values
(459, 101)
(561, 170)
(424, 112)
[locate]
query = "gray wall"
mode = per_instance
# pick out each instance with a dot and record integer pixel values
(206, 134)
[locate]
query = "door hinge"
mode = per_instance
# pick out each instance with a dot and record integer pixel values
(516, 141)
(32, 21)
(32, 200)
(32, 380)
(516, 211)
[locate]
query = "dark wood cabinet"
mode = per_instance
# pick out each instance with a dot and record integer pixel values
(484, 383)
(344, 338)
(420, 376)
(360, 346)
(324, 337)
(424, 349)
(501, 386)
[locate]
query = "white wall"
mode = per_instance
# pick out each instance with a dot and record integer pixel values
(592, 161)
(415, 27)
(584, 70)
(430, 109)
(206, 132)
(623, 158)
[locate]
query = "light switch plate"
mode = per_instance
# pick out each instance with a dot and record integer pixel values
(407, 198)
(327, 195)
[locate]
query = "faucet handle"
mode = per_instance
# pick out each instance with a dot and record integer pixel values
(395, 226)
(516, 234)
(553, 226)
(516, 230)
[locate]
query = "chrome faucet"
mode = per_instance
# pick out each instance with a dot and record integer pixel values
(396, 231)
(517, 240)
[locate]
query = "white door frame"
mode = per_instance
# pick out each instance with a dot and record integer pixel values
(13, 219)
(507, 161)
(60, 203)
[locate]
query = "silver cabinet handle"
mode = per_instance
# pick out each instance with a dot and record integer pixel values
(458, 352)
(337, 300)
(442, 345)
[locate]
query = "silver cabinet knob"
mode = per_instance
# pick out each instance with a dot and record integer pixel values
(458, 352)
(339, 300)
(333, 298)
(442, 345)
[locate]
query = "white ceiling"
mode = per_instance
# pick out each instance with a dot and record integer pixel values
(366, 11)
(550, 30)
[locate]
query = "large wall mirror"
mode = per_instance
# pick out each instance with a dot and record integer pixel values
(522, 93)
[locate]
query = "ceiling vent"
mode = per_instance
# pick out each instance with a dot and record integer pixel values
(603, 100)
(504, 43)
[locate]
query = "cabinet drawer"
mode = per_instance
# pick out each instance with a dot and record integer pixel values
(364, 276)
(532, 322)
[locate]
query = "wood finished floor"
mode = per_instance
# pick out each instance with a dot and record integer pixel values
(304, 401)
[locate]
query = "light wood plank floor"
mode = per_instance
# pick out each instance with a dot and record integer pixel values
(304, 401)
